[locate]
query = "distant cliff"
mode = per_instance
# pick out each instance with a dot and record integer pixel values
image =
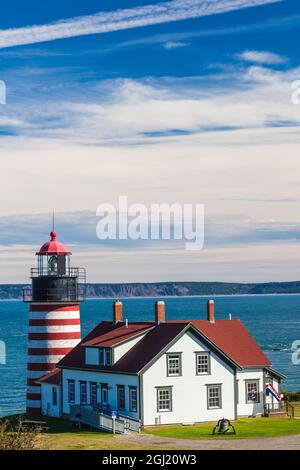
(161, 289)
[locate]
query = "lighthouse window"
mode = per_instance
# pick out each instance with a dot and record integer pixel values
(52, 264)
(83, 393)
(71, 390)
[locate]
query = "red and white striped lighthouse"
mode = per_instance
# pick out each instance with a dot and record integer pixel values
(54, 319)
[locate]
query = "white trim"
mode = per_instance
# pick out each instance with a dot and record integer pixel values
(53, 343)
(33, 403)
(54, 329)
(45, 359)
(31, 389)
(65, 315)
(36, 374)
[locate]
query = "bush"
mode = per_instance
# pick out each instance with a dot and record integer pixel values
(292, 396)
(16, 437)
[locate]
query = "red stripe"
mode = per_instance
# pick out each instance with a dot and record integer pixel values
(33, 396)
(40, 367)
(32, 382)
(33, 411)
(61, 321)
(66, 335)
(48, 351)
(52, 308)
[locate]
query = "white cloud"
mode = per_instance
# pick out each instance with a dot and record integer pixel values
(241, 151)
(127, 112)
(262, 57)
(105, 22)
(174, 45)
(261, 263)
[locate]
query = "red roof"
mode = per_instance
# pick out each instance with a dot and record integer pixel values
(229, 336)
(119, 334)
(232, 337)
(53, 247)
(53, 378)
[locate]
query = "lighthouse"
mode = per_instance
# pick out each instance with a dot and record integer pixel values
(54, 313)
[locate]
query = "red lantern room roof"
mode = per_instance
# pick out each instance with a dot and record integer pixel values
(53, 247)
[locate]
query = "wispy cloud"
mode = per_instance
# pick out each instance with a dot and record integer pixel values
(174, 45)
(278, 23)
(131, 112)
(262, 57)
(105, 22)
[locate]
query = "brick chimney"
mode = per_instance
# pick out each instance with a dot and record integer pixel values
(117, 311)
(160, 312)
(211, 311)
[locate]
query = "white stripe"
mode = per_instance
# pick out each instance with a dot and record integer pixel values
(34, 403)
(54, 329)
(53, 343)
(54, 315)
(31, 389)
(36, 374)
(45, 359)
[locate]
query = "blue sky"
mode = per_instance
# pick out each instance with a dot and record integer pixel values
(196, 108)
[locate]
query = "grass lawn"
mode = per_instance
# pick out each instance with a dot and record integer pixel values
(62, 436)
(245, 428)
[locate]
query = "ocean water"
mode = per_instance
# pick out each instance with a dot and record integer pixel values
(273, 320)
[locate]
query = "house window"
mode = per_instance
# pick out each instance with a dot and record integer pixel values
(104, 395)
(133, 399)
(83, 393)
(252, 391)
(121, 397)
(105, 356)
(164, 399)
(93, 393)
(214, 396)
(101, 357)
(173, 364)
(108, 357)
(54, 396)
(202, 363)
(71, 391)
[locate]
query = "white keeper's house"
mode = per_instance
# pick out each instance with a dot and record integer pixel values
(163, 372)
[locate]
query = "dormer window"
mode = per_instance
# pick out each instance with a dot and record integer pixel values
(105, 356)
(101, 356)
(108, 357)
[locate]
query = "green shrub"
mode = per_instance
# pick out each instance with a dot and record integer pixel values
(292, 396)
(16, 437)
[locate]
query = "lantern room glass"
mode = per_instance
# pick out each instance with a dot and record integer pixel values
(47, 265)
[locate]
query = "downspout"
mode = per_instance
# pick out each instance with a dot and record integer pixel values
(61, 394)
(264, 391)
(235, 386)
(141, 401)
